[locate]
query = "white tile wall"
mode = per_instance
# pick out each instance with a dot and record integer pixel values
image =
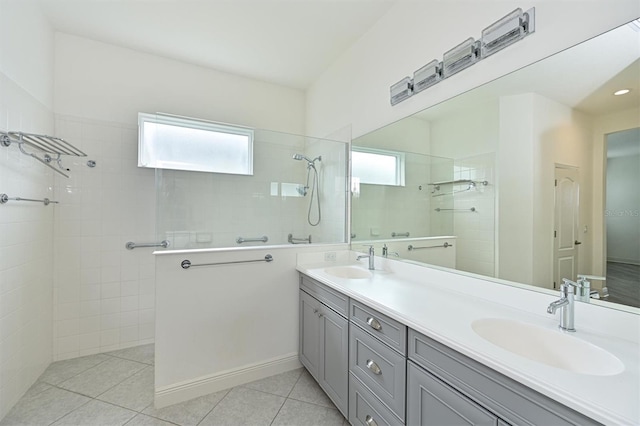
(104, 294)
(203, 210)
(26, 256)
(475, 231)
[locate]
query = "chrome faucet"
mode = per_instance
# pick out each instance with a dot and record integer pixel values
(583, 292)
(385, 252)
(370, 256)
(566, 303)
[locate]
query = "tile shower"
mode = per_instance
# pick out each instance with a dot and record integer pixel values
(204, 210)
(104, 295)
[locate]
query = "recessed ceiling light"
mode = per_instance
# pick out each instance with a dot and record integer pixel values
(621, 92)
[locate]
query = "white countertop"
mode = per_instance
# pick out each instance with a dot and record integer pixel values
(443, 305)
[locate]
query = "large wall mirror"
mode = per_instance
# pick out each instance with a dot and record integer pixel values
(530, 178)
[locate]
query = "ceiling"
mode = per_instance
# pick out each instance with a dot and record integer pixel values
(286, 42)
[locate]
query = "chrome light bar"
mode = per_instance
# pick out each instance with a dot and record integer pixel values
(427, 76)
(511, 28)
(401, 90)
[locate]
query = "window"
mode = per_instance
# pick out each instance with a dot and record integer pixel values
(377, 166)
(178, 143)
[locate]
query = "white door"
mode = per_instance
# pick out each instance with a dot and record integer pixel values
(566, 243)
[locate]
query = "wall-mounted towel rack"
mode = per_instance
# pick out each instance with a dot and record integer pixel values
(292, 240)
(472, 209)
(48, 145)
(186, 264)
(399, 234)
(131, 245)
(471, 184)
(5, 198)
(445, 245)
(262, 239)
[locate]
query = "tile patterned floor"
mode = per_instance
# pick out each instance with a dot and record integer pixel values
(116, 388)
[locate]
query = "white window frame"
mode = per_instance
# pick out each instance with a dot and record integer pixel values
(192, 123)
(399, 160)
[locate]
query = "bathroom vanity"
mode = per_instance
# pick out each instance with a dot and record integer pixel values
(403, 345)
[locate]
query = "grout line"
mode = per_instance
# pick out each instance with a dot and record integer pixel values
(287, 397)
(65, 415)
(75, 375)
(214, 406)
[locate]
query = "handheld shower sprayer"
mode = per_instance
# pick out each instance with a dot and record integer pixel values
(315, 193)
(310, 163)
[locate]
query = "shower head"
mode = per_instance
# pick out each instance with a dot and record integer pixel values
(302, 157)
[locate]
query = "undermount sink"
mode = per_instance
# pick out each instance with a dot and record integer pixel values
(550, 347)
(349, 272)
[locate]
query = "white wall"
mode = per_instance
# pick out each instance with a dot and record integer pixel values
(563, 136)
(106, 82)
(355, 89)
(535, 134)
(105, 294)
(26, 256)
(221, 326)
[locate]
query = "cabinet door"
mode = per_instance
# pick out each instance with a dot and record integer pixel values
(333, 369)
(309, 342)
(431, 402)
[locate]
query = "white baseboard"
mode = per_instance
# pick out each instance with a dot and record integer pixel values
(204, 385)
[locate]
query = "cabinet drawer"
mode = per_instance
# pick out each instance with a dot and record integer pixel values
(367, 410)
(379, 367)
(384, 328)
(432, 403)
(333, 299)
(511, 401)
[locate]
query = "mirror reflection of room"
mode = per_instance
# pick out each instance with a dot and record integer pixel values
(516, 178)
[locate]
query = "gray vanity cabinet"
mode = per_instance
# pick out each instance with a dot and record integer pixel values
(431, 402)
(462, 387)
(377, 366)
(324, 341)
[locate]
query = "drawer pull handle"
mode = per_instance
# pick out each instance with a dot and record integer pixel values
(374, 323)
(374, 367)
(369, 421)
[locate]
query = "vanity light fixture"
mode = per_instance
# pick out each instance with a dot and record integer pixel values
(506, 31)
(511, 28)
(621, 92)
(460, 57)
(427, 76)
(401, 90)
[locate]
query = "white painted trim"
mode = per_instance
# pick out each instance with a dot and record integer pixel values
(204, 385)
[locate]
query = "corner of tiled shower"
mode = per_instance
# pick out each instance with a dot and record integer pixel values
(26, 258)
(103, 294)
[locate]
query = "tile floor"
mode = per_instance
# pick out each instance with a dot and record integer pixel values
(116, 388)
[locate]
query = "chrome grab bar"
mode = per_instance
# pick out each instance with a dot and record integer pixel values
(186, 264)
(241, 240)
(445, 245)
(292, 240)
(131, 245)
(4, 198)
(399, 234)
(472, 209)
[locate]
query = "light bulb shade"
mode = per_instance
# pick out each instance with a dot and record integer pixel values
(401, 90)
(511, 28)
(427, 76)
(460, 57)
